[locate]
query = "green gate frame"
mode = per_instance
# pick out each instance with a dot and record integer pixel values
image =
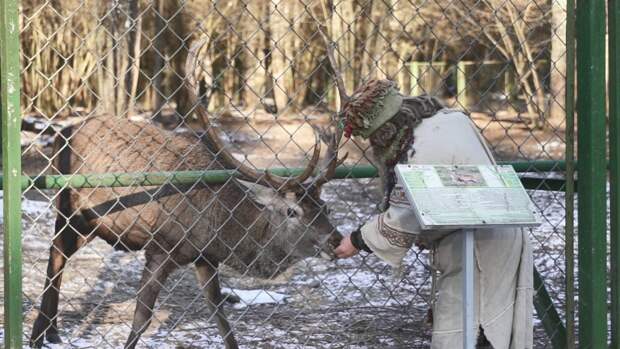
(614, 154)
(590, 56)
(11, 168)
(592, 193)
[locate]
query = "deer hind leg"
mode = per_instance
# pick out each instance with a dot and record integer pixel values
(156, 271)
(66, 242)
(209, 283)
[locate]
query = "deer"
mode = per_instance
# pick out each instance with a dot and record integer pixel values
(257, 223)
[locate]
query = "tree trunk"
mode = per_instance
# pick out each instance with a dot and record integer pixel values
(158, 69)
(178, 43)
(281, 66)
(254, 60)
(133, 55)
(558, 62)
(240, 74)
(219, 59)
(112, 88)
(361, 46)
(268, 96)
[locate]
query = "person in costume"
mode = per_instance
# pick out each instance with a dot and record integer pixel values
(419, 130)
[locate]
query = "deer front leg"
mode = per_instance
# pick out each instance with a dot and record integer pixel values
(209, 283)
(155, 273)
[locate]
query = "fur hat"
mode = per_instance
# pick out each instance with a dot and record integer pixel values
(372, 105)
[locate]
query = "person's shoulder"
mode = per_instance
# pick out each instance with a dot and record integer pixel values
(448, 116)
(451, 113)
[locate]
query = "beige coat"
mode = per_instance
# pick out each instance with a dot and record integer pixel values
(503, 279)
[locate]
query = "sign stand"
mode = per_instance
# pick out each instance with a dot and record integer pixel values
(469, 333)
(464, 198)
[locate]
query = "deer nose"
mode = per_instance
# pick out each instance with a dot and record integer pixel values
(324, 248)
(334, 239)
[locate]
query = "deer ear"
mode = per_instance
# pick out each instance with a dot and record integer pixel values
(261, 194)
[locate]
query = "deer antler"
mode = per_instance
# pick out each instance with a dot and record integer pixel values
(332, 139)
(248, 173)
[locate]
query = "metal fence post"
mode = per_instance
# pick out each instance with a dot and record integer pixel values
(592, 174)
(614, 167)
(569, 228)
(11, 165)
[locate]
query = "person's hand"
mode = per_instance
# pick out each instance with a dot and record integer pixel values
(346, 248)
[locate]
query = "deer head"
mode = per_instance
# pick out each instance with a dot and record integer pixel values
(294, 202)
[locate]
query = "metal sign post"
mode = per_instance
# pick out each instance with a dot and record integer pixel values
(464, 198)
(469, 332)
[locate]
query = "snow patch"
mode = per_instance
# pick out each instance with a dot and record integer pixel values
(32, 208)
(253, 297)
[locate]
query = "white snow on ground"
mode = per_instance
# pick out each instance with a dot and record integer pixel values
(252, 297)
(31, 208)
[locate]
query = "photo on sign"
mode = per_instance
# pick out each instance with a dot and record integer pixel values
(460, 176)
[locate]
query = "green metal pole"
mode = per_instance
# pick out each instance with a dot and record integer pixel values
(592, 174)
(11, 166)
(614, 166)
(105, 180)
(569, 227)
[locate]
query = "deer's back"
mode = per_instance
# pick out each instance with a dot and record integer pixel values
(112, 144)
(130, 217)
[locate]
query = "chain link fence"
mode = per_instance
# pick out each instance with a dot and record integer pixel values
(103, 92)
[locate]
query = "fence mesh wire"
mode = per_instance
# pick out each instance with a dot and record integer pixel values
(266, 80)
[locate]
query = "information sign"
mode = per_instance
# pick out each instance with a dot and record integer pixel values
(467, 196)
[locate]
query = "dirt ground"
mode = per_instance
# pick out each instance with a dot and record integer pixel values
(355, 303)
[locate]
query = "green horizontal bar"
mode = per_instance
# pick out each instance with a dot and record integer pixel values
(549, 184)
(106, 180)
(537, 165)
(159, 178)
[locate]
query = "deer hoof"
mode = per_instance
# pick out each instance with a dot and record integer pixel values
(231, 298)
(38, 332)
(36, 343)
(53, 337)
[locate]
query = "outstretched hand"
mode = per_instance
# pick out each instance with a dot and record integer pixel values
(346, 248)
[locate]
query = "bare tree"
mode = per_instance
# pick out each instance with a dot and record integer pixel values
(159, 58)
(133, 54)
(514, 30)
(265, 53)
